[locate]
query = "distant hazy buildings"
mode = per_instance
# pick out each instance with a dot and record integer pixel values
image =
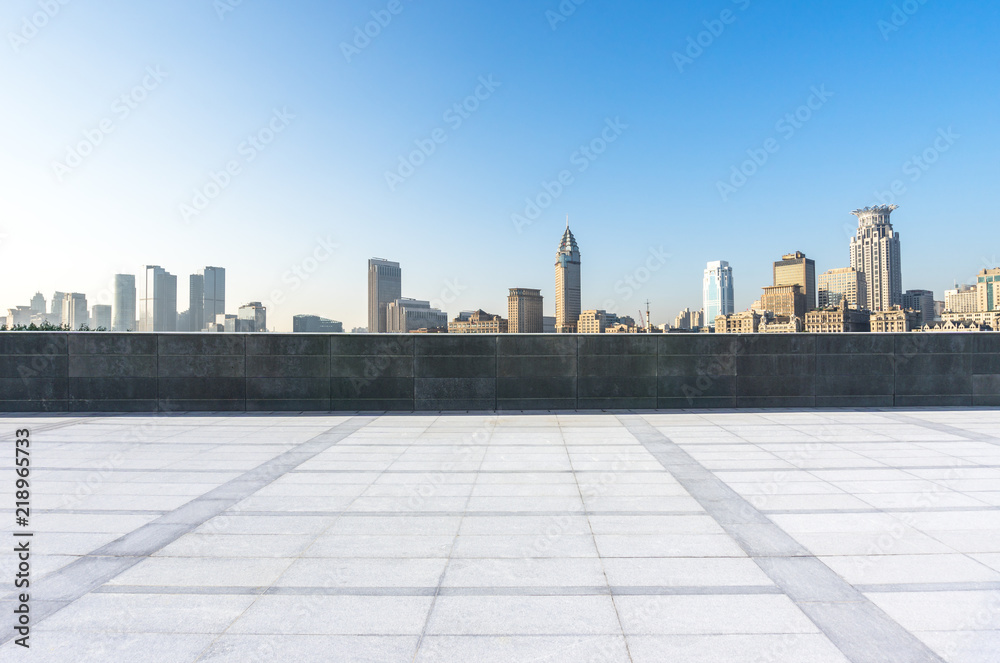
(123, 306)
(214, 297)
(385, 285)
(717, 291)
(196, 305)
(56, 312)
(252, 318)
(74, 310)
(406, 315)
(313, 324)
(38, 304)
(158, 301)
(796, 269)
(567, 283)
(688, 320)
(921, 301)
(837, 285)
(100, 317)
(524, 311)
(875, 253)
(18, 316)
(479, 322)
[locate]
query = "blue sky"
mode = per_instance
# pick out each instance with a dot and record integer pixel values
(894, 80)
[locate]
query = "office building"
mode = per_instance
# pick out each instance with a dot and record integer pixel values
(37, 304)
(18, 316)
(962, 299)
(100, 317)
(717, 291)
(688, 320)
(56, 306)
(837, 285)
(875, 252)
(195, 320)
(524, 311)
(74, 311)
(313, 324)
(838, 320)
(407, 315)
(894, 321)
(549, 324)
(796, 269)
(921, 301)
(567, 283)
(385, 285)
(478, 322)
(123, 307)
(594, 322)
(784, 301)
(158, 300)
(214, 297)
(988, 289)
(252, 318)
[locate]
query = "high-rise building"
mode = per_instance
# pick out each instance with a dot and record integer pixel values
(524, 311)
(196, 303)
(717, 291)
(313, 324)
(158, 301)
(963, 299)
(988, 286)
(252, 318)
(837, 285)
(100, 317)
(55, 314)
(18, 316)
(38, 304)
(215, 293)
(567, 283)
(74, 310)
(875, 253)
(385, 285)
(480, 322)
(921, 301)
(797, 269)
(784, 301)
(407, 315)
(123, 308)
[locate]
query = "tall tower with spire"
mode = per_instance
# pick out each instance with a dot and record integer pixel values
(875, 253)
(567, 283)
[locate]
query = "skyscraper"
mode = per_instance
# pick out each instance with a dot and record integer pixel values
(100, 317)
(717, 291)
(875, 253)
(215, 294)
(385, 285)
(158, 302)
(252, 318)
(796, 269)
(74, 310)
(123, 309)
(196, 303)
(845, 283)
(567, 283)
(55, 316)
(524, 311)
(38, 303)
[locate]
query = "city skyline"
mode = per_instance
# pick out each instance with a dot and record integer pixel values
(641, 162)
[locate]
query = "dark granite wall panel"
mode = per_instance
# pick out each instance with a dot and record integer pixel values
(106, 372)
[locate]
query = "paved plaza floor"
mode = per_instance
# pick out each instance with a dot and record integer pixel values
(809, 536)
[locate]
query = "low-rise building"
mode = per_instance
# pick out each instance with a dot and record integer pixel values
(784, 301)
(781, 325)
(313, 324)
(894, 321)
(405, 315)
(745, 322)
(953, 326)
(990, 319)
(478, 322)
(838, 320)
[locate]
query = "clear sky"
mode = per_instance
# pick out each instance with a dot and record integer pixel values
(162, 95)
